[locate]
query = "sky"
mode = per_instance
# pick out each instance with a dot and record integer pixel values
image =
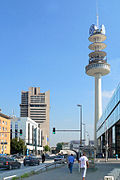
(44, 43)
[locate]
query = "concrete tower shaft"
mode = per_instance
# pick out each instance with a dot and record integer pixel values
(97, 67)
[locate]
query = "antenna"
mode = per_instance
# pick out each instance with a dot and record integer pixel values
(97, 14)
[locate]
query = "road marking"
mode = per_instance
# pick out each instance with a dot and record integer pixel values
(9, 177)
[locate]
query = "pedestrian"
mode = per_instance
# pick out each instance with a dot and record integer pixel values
(116, 156)
(70, 162)
(43, 158)
(83, 160)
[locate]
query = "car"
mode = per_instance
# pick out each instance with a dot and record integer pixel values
(99, 155)
(31, 160)
(59, 158)
(16, 156)
(9, 163)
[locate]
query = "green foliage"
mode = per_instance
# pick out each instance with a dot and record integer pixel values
(17, 146)
(46, 148)
(59, 146)
(25, 175)
(14, 178)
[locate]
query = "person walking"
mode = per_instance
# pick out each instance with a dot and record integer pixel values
(43, 158)
(70, 162)
(84, 164)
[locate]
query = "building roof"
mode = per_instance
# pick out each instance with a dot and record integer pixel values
(4, 116)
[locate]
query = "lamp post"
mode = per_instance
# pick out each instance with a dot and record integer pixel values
(84, 132)
(79, 105)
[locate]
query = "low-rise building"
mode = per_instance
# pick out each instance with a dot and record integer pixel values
(28, 130)
(4, 134)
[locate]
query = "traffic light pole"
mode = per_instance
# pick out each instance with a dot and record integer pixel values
(68, 130)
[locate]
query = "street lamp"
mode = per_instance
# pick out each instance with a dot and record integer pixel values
(84, 132)
(79, 105)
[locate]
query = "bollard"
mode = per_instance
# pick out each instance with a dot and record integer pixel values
(109, 178)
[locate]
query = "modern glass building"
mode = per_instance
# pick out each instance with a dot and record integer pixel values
(108, 127)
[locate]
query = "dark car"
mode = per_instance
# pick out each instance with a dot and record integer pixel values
(16, 156)
(9, 163)
(99, 155)
(31, 160)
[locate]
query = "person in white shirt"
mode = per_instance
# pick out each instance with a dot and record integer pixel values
(83, 160)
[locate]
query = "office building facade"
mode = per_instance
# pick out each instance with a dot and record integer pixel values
(31, 133)
(108, 127)
(4, 134)
(36, 105)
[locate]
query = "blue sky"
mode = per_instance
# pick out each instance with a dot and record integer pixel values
(45, 44)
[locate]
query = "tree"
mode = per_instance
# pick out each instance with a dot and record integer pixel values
(46, 148)
(59, 146)
(17, 146)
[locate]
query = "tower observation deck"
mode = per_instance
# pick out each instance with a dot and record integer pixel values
(97, 67)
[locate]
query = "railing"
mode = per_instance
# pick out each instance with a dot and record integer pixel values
(45, 167)
(97, 65)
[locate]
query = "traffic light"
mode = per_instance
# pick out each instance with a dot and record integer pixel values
(20, 132)
(53, 130)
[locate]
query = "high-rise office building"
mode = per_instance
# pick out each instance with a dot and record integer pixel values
(36, 105)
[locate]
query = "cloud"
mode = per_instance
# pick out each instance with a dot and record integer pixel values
(108, 94)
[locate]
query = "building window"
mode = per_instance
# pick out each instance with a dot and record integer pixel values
(3, 122)
(3, 128)
(0, 127)
(35, 91)
(16, 133)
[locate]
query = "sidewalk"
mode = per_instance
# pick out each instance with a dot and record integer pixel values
(62, 173)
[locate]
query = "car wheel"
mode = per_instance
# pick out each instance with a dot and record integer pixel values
(10, 167)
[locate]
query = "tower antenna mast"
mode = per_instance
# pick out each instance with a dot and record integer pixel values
(97, 14)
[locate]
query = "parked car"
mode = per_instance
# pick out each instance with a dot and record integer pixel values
(9, 163)
(17, 156)
(31, 160)
(59, 158)
(99, 155)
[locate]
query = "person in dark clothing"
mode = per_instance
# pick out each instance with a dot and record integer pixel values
(43, 158)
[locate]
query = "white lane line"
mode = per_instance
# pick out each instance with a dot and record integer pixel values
(9, 177)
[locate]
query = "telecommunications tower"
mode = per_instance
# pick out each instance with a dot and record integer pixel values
(97, 67)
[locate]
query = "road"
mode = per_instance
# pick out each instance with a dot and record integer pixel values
(62, 173)
(22, 170)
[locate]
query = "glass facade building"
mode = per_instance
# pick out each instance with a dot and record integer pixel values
(108, 126)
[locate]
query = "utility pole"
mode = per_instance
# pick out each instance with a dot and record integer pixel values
(79, 105)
